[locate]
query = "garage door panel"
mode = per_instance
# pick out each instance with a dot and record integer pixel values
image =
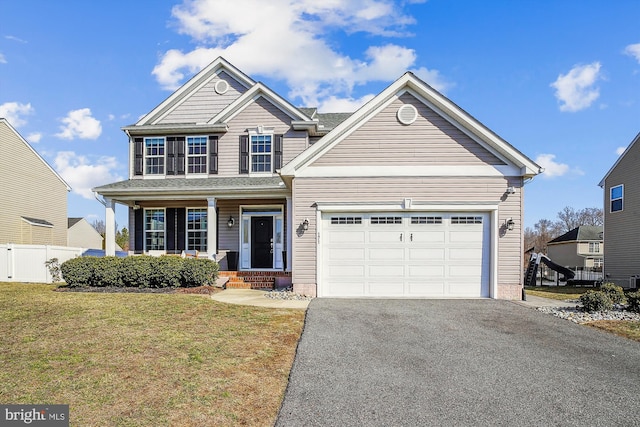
(352, 254)
(386, 254)
(386, 270)
(347, 270)
(346, 236)
(426, 271)
(406, 254)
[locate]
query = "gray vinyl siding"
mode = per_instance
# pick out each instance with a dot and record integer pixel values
(621, 249)
(308, 191)
(565, 254)
(205, 103)
(430, 140)
(258, 113)
(29, 188)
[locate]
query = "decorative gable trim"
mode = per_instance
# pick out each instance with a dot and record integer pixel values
(193, 85)
(434, 100)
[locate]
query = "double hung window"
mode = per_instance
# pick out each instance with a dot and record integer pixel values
(154, 156)
(154, 229)
(197, 154)
(197, 229)
(261, 153)
(617, 196)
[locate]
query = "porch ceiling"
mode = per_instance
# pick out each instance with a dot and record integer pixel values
(194, 188)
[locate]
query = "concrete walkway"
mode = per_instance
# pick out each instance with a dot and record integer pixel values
(256, 298)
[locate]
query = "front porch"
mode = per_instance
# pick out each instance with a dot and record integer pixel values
(263, 280)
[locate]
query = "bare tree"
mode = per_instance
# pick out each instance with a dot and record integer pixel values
(569, 218)
(100, 226)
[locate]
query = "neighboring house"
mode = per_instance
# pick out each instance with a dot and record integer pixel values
(81, 234)
(409, 196)
(32, 195)
(622, 219)
(579, 249)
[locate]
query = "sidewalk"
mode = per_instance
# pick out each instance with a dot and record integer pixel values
(535, 302)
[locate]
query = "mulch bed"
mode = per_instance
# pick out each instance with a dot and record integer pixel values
(200, 290)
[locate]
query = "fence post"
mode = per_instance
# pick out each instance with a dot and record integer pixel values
(9, 260)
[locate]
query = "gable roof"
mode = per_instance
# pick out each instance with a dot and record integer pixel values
(73, 221)
(581, 233)
(635, 140)
(196, 82)
(24, 141)
(434, 100)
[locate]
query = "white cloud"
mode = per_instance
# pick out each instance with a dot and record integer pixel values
(14, 112)
(307, 58)
(80, 124)
(343, 105)
(3, 60)
(575, 90)
(551, 167)
(634, 51)
(34, 137)
(620, 150)
(82, 175)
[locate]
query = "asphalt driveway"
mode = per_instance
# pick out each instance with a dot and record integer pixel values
(457, 362)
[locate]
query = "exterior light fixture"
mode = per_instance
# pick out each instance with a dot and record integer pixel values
(231, 221)
(511, 190)
(305, 224)
(510, 224)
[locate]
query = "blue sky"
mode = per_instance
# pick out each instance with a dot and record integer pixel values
(560, 80)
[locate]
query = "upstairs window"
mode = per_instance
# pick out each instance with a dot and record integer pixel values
(617, 196)
(261, 153)
(197, 154)
(154, 156)
(594, 247)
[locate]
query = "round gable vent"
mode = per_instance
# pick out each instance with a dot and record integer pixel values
(221, 87)
(407, 114)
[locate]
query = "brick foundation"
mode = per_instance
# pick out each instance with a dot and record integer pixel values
(254, 279)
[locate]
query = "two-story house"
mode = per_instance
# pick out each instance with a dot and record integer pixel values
(409, 196)
(32, 195)
(621, 187)
(579, 249)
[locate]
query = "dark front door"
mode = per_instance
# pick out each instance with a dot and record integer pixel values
(262, 242)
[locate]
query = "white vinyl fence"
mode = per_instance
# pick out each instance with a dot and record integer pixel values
(26, 263)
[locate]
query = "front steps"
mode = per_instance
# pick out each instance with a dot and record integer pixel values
(253, 279)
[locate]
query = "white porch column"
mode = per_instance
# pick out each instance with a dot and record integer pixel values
(212, 222)
(289, 233)
(110, 227)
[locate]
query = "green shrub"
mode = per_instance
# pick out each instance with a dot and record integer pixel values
(596, 301)
(107, 272)
(78, 271)
(198, 272)
(633, 301)
(165, 272)
(136, 271)
(615, 293)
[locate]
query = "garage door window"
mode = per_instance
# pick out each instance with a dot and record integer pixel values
(343, 220)
(426, 220)
(386, 220)
(466, 220)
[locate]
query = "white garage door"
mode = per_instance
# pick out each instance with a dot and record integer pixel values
(405, 255)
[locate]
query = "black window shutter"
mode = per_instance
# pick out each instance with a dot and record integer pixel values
(180, 153)
(138, 226)
(181, 217)
(171, 155)
(138, 149)
(213, 154)
(244, 154)
(277, 152)
(170, 223)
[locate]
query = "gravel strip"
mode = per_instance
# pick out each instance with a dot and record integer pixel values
(287, 294)
(577, 315)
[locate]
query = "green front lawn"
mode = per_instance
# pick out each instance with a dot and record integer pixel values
(144, 359)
